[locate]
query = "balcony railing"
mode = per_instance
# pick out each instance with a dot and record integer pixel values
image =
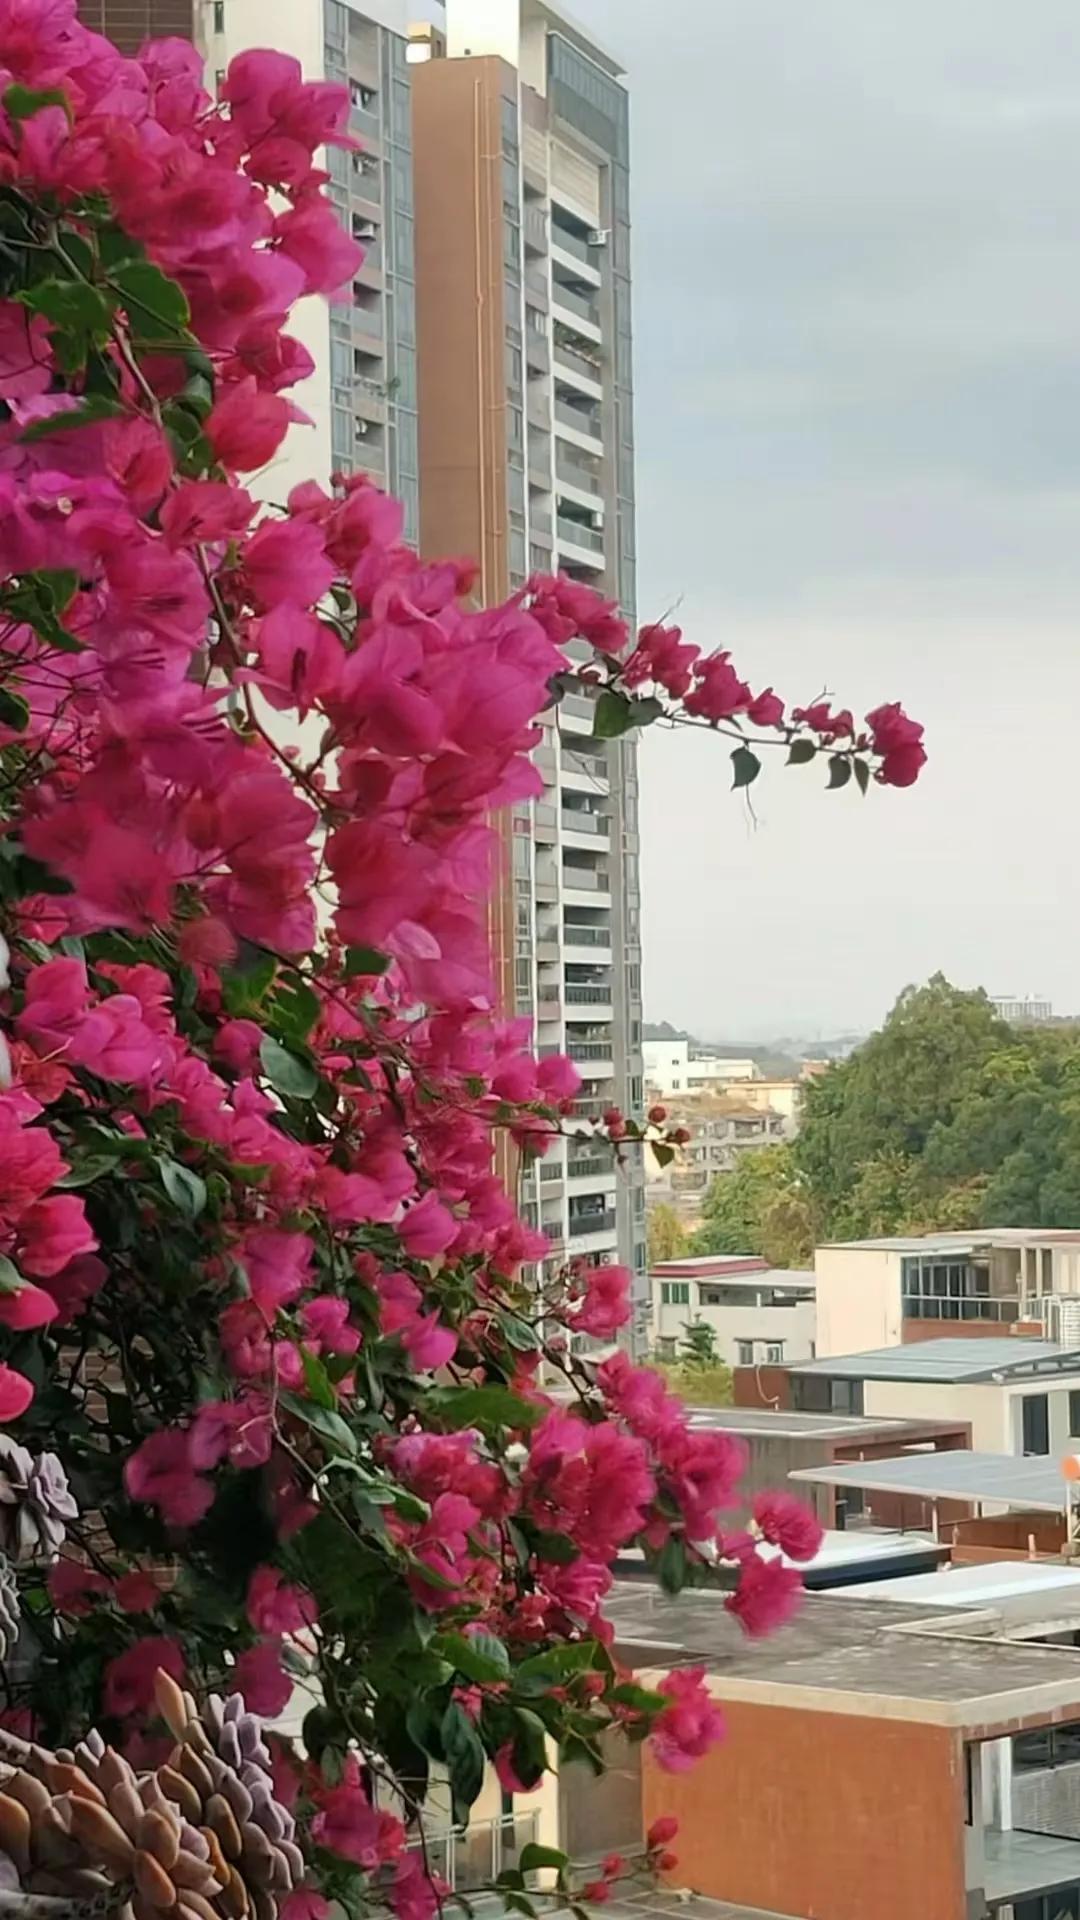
(579, 535)
(536, 228)
(578, 706)
(576, 820)
(589, 1167)
(572, 302)
(568, 242)
(579, 419)
(551, 1170)
(586, 996)
(576, 469)
(587, 1049)
(585, 766)
(587, 1223)
(976, 1307)
(587, 936)
(591, 1109)
(588, 879)
(477, 1856)
(576, 362)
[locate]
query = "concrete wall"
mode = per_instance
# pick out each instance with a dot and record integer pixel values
(985, 1407)
(795, 1326)
(1048, 1802)
(858, 1296)
(827, 1814)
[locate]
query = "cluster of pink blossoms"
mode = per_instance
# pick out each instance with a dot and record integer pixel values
(246, 986)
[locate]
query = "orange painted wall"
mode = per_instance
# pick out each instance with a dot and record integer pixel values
(822, 1815)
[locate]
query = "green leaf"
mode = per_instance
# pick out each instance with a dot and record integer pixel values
(862, 775)
(84, 1172)
(616, 713)
(533, 1856)
(557, 1548)
(661, 1152)
(745, 767)
(14, 711)
(671, 1568)
(322, 1420)
(641, 1699)
(492, 1406)
(365, 960)
(69, 304)
(801, 751)
(558, 1663)
(296, 1009)
(244, 985)
(480, 1657)
(518, 1333)
(96, 406)
(519, 1903)
(148, 293)
(529, 1745)
(839, 771)
(185, 1188)
(20, 103)
(293, 1078)
(11, 1280)
(465, 1759)
(317, 1380)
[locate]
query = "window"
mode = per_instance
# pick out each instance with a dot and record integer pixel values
(774, 1353)
(675, 1293)
(1046, 1747)
(219, 16)
(745, 1351)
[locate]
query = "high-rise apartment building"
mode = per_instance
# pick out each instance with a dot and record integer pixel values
(527, 461)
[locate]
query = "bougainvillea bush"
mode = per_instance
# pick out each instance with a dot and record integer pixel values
(281, 1401)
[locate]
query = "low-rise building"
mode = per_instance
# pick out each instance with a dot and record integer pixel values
(875, 1293)
(721, 1127)
(879, 1759)
(681, 1066)
(758, 1314)
(1017, 1396)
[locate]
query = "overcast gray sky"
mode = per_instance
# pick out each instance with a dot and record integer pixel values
(857, 272)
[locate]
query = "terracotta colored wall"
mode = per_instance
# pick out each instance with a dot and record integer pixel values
(824, 1815)
(968, 1329)
(1009, 1533)
(761, 1386)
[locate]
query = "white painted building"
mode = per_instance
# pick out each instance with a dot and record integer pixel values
(760, 1315)
(674, 1066)
(876, 1293)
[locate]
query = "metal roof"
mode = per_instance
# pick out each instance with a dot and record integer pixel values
(991, 1584)
(1014, 1480)
(949, 1360)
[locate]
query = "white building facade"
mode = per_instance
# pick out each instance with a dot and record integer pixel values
(759, 1315)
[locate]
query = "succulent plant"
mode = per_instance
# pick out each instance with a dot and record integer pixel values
(201, 1837)
(10, 1612)
(35, 1501)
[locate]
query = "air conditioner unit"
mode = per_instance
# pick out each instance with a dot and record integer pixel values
(599, 236)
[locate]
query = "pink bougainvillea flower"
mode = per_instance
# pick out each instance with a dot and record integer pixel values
(788, 1524)
(261, 1678)
(767, 1596)
(689, 1725)
(129, 1678)
(16, 1393)
(276, 1608)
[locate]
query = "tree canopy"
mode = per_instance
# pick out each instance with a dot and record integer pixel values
(947, 1117)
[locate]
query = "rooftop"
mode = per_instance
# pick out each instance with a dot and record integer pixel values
(950, 1360)
(694, 1265)
(843, 1655)
(993, 1583)
(1024, 1482)
(960, 1242)
(786, 1425)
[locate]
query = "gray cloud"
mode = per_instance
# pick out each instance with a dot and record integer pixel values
(857, 268)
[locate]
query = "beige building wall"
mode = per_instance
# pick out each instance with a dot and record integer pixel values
(985, 1405)
(858, 1299)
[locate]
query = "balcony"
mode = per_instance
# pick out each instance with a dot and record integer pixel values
(536, 228)
(578, 364)
(575, 303)
(588, 1049)
(576, 820)
(473, 1858)
(591, 1108)
(551, 1170)
(587, 936)
(586, 879)
(540, 521)
(577, 533)
(588, 1226)
(577, 995)
(588, 772)
(577, 469)
(579, 420)
(574, 243)
(538, 286)
(590, 1166)
(537, 351)
(365, 123)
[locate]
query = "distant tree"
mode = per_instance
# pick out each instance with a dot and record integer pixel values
(763, 1206)
(666, 1236)
(698, 1348)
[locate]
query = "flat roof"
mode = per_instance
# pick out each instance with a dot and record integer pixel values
(950, 1359)
(978, 1586)
(957, 1240)
(853, 1656)
(781, 1423)
(1028, 1482)
(699, 1263)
